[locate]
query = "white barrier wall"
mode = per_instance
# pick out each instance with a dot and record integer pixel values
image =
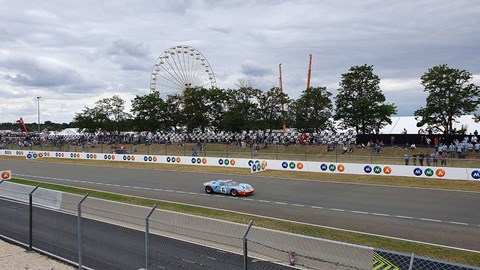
(285, 165)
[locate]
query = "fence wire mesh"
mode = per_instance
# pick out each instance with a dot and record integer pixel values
(114, 236)
(53, 231)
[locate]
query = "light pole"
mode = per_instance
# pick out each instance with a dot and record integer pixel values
(38, 113)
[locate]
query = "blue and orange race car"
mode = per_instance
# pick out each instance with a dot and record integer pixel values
(228, 187)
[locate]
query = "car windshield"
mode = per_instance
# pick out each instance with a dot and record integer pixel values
(231, 183)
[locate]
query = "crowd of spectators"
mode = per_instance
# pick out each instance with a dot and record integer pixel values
(252, 139)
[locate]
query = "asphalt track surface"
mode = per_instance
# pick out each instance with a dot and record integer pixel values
(446, 218)
(107, 246)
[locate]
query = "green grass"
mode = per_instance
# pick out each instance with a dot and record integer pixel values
(452, 255)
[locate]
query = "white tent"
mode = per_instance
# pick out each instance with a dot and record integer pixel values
(410, 124)
(69, 132)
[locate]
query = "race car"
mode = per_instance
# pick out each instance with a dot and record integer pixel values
(228, 187)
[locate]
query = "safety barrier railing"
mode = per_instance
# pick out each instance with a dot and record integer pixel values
(101, 234)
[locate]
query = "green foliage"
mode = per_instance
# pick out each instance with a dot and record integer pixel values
(360, 103)
(148, 111)
(313, 110)
(450, 95)
(108, 114)
(270, 109)
(242, 110)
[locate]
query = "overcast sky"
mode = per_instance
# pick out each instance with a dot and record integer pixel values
(73, 53)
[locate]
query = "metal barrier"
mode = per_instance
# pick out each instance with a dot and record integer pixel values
(101, 234)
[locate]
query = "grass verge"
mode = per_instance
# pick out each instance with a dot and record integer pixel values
(452, 255)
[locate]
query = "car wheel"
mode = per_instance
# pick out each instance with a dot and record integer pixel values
(208, 189)
(234, 192)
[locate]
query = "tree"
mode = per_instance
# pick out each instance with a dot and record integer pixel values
(360, 103)
(148, 112)
(450, 95)
(108, 114)
(90, 119)
(242, 110)
(270, 108)
(194, 108)
(313, 110)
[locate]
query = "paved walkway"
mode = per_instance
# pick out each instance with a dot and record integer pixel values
(13, 257)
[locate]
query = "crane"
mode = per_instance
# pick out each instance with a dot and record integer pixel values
(20, 122)
(309, 72)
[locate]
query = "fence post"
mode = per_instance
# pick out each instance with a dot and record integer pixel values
(305, 151)
(30, 233)
(410, 267)
(147, 232)
(79, 234)
(245, 248)
(277, 149)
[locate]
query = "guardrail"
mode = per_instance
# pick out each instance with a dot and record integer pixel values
(101, 234)
(285, 165)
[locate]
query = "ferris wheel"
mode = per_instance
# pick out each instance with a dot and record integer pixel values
(179, 68)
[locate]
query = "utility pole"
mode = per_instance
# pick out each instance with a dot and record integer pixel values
(309, 72)
(38, 113)
(284, 127)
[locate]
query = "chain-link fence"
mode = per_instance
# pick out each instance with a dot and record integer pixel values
(100, 234)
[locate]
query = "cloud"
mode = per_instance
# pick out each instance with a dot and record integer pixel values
(77, 52)
(39, 72)
(252, 68)
(129, 55)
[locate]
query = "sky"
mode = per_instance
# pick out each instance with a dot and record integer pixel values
(74, 53)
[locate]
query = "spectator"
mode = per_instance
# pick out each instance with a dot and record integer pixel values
(428, 158)
(435, 158)
(404, 131)
(421, 156)
(407, 158)
(194, 151)
(444, 159)
(459, 150)
(414, 160)
(412, 146)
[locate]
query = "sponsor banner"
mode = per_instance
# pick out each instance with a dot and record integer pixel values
(257, 166)
(5, 175)
(285, 165)
(34, 155)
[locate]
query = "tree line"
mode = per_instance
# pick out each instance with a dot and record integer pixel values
(360, 105)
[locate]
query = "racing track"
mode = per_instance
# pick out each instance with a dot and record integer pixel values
(448, 218)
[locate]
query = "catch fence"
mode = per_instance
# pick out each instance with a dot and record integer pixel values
(98, 234)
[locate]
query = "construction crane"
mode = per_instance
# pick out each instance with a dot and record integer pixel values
(309, 72)
(20, 122)
(284, 127)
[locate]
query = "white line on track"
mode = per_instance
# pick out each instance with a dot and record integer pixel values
(458, 223)
(282, 203)
(299, 205)
(404, 217)
(428, 219)
(360, 212)
(316, 207)
(338, 210)
(380, 214)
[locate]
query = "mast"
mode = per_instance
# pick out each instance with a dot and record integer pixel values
(281, 91)
(309, 72)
